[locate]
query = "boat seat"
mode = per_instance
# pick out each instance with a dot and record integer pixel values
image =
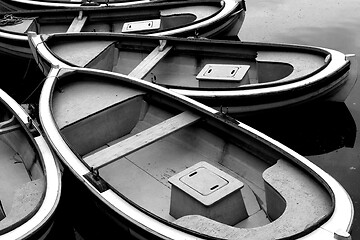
(78, 102)
(150, 61)
(96, 130)
(88, 123)
(140, 140)
(295, 202)
(303, 63)
(91, 54)
(77, 24)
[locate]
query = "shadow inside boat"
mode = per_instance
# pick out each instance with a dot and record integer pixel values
(309, 129)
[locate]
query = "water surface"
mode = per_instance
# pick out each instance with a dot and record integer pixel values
(326, 133)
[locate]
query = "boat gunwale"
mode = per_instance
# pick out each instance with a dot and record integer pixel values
(343, 207)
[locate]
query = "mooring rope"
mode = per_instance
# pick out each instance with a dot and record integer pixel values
(9, 19)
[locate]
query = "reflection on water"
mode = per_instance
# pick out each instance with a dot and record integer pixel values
(309, 130)
(325, 23)
(20, 77)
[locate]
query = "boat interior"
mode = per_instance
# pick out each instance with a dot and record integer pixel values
(181, 166)
(190, 64)
(147, 19)
(22, 182)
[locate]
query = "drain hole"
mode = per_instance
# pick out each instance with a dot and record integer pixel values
(212, 188)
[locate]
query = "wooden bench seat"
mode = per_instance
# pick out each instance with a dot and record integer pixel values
(140, 140)
(77, 24)
(302, 204)
(150, 61)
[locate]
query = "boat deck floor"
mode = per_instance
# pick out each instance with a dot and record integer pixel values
(12, 175)
(149, 169)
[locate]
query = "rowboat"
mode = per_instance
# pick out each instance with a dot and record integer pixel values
(239, 77)
(160, 165)
(15, 5)
(30, 183)
(197, 18)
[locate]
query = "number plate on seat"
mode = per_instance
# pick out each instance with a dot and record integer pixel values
(224, 72)
(141, 25)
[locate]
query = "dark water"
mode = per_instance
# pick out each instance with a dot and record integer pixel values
(326, 133)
